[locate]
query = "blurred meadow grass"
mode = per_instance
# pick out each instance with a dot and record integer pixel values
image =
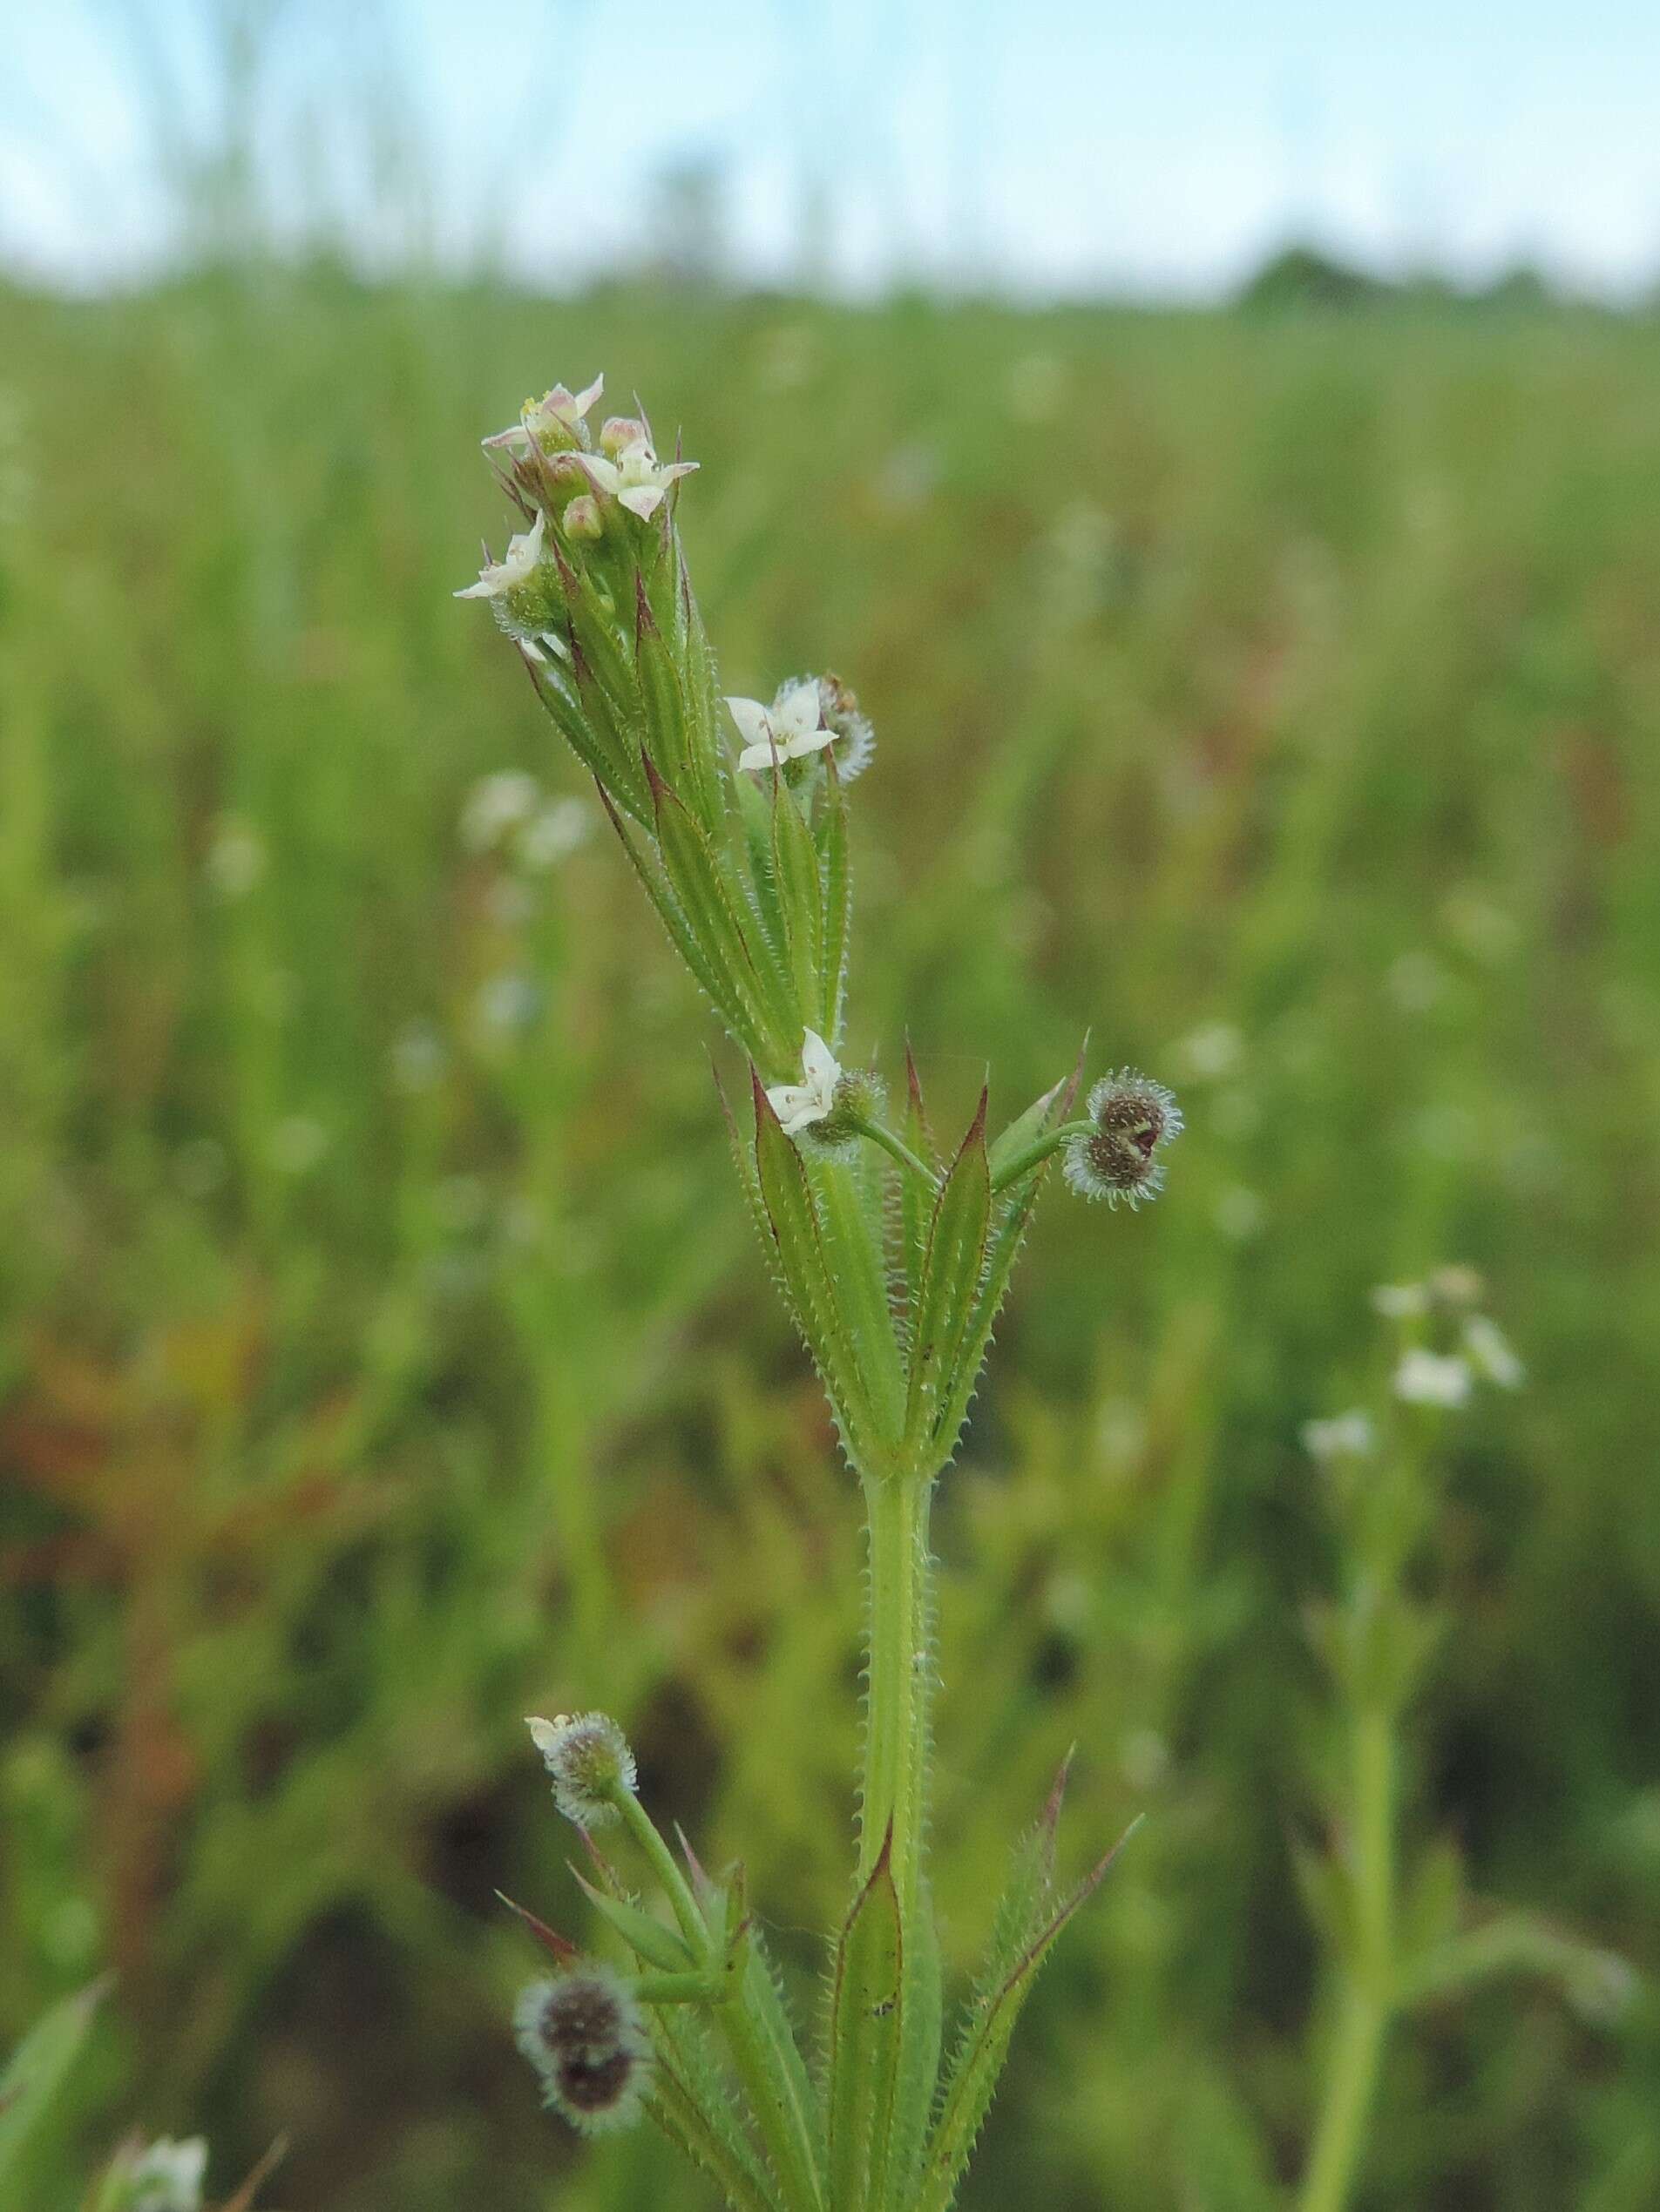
(384, 1358)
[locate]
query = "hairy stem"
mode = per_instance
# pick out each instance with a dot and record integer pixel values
(1368, 1999)
(900, 1664)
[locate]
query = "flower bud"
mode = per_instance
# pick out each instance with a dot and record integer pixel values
(1116, 1157)
(591, 1764)
(586, 2035)
(620, 432)
(582, 517)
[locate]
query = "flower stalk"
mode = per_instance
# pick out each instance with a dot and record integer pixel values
(893, 1258)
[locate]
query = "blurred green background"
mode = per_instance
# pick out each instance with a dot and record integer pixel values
(1274, 689)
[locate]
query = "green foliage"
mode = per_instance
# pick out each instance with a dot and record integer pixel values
(386, 1359)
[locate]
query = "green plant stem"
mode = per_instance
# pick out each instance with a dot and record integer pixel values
(899, 1150)
(900, 1664)
(638, 1823)
(1037, 1152)
(1369, 1998)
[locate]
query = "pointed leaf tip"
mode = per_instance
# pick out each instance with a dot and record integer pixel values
(557, 1946)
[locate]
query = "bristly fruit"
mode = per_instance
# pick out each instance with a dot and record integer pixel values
(1131, 1117)
(585, 2033)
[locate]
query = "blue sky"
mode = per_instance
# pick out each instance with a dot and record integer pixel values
(1051, 147)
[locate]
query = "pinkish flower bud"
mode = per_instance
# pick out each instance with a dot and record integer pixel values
(620, 432)
(582, 517)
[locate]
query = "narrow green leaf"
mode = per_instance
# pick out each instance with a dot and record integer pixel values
(761, 2045)
(918, 2055)
(747, 1030)
(657, 1946)
(971, 2078)
(916, 1201)
(851, 1210)
(688, 2100)
(1011, 1216)
(795, 861)
(705, 900)
(1021, 1131)
(37, 2071)
(950, 1280)
(830, 828)
(792, 1216)
(867, 2017)
(587, 728)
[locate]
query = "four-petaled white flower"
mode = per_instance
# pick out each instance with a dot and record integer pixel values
(516, 567)
(1432, 1379)
(636, 478)
(799, 1105)
(559, 409)
(168, 2176)
(788, 730)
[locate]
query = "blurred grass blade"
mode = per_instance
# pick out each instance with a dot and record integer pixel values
(37, 2071)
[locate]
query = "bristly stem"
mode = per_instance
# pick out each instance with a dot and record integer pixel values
(1368, 1997)
(900, 1663)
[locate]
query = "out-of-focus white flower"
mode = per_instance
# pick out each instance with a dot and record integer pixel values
(788, 730)
(557, 411)
(1401, 1301)
(1239, 1214)
(235, 860)
(629, 469)
(1432, 1379)
(1211, 1051)
(556, 831)
(1345, 1436)
(516, 567)
(1417, 982)
(799, 1105)
(167, 2177)
(417, 1057)
(1492, 1354)
(509, 1002)
(1455, 1286)
(496, 805)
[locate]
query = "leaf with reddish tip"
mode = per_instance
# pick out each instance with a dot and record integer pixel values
(867, 2027)
(557, 1946)
(1012, 1214)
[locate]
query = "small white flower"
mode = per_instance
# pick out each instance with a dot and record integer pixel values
(788, 730)
(558, 409)
(1491, 1352)
(636, 478)
(1345, 1436)
(1432, 1379)
(1401, 1301)
(168, 2176)
(516, 566)
(799, 1105)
